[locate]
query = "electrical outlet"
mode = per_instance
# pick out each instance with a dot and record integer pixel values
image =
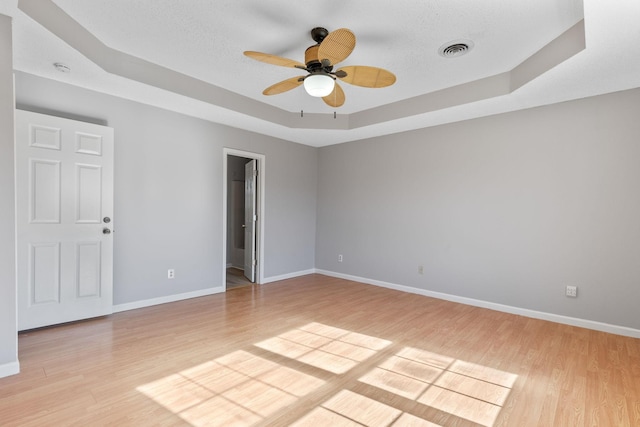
(420, 269)
(340, 258)
(572, 291)
(171, 273)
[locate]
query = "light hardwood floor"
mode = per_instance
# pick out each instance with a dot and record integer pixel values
(236, 279)
(320, 351)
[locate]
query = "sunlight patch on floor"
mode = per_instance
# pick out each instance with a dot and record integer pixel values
(352, 407)
(399, 388)
(326, 347)
(236, 389)
(466, 390)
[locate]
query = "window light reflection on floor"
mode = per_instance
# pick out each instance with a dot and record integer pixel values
(236, 389)
(326, 347)
(466, 390)
(246, 387)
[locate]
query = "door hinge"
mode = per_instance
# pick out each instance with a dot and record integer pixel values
(255, 172)
(255, 262)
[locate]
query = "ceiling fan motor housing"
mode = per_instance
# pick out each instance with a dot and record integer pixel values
(318, 34)
(313, 63)
(311, 57)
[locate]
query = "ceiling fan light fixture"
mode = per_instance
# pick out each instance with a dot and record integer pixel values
(320, 60)
(319, 85)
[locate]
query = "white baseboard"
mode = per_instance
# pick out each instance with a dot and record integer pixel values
(8, 369)
(163, 300)
(573, 321)
(288, 276)
(179, 297)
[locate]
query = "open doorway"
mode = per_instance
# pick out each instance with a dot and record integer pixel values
(243, 230)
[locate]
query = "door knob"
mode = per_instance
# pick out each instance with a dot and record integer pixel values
(106, 220)
(106, 231)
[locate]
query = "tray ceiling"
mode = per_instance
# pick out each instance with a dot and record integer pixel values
(187, 57)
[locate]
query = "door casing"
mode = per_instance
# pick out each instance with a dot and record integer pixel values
(260, 189)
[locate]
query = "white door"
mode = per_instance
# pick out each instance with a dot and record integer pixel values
(250, 180)
(64, 205)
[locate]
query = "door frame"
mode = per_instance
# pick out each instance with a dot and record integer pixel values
(260, 195)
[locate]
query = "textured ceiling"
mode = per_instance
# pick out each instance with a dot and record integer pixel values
(187, 57)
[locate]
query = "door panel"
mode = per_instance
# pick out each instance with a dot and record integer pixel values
(64, 184)
(250, 180)
(88, 264)
(44, 191)
(88, 194)
(44, 273)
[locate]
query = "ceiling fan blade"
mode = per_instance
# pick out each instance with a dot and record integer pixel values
(283, 86)
(337, 46)
(361, 75)
(273, 59)
(335, 98)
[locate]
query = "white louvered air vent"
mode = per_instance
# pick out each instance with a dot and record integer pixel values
(455, 49)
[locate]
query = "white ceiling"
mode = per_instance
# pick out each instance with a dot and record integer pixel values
(191, 61)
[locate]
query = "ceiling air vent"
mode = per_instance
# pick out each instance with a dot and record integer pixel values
(455, 49)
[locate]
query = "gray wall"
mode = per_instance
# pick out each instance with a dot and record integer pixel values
(168, 191)
(507, 209)
(8, 326)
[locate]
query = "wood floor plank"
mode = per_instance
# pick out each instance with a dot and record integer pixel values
(317, 350)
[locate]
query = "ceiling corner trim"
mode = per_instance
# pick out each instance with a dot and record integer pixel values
(563, 47)
(63, 26)
(554, 53)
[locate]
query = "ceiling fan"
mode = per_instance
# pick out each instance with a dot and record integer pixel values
(330, 48)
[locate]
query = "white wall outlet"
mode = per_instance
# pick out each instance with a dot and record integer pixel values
(420, 269)
(572, 291)
(171, 273)
(340, 258)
